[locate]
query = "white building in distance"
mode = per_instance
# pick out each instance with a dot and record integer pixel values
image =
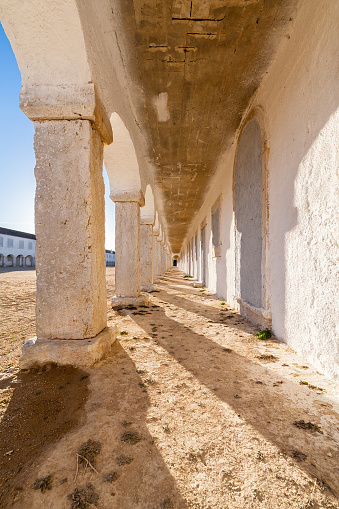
(110, 258)
(17, 249)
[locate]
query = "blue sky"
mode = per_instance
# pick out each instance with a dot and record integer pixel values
(17, 160)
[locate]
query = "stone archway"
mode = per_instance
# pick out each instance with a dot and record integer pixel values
(19, 261)
(29, 261)
(248, 210)
(9, 261)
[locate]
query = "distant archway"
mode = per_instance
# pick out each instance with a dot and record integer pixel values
(9, 261)
(29, 261)
(19, 261)
(1, 260)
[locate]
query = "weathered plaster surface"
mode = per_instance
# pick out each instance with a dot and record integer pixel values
(41, 35)
(183, 51)
(299, 98)
(248, 212)
(121, 161)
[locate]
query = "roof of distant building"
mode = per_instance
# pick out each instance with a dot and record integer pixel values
(110, 251)
(16, 233)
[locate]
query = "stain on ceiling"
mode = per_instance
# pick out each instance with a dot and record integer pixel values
(199, 63)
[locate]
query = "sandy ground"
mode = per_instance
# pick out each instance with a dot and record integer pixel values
(187, 412)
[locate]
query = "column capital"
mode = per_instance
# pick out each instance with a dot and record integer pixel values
(56, 102)
(128, 196)
(147, 220)
(156, 232)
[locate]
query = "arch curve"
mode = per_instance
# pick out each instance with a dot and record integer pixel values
(121, 161)
(147, 212)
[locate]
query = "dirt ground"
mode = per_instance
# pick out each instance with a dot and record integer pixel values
(190, 408)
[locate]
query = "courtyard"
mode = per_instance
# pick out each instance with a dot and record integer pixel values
(190, 409)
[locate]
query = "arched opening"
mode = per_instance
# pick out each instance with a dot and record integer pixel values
(19, 261)
(175, 261)
(9, 261)
(248, 210)
(18, 187)
(121, 160)
(29, 261)
(147, 212)
(1, 260)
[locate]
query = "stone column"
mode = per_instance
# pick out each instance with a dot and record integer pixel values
(146, 255)
(155, 255)
(159, 251)
(127, 250)
(163, 264)
(70, 230)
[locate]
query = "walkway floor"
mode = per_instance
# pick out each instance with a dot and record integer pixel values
(220, 416)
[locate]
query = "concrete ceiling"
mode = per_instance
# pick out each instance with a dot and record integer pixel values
(198, 63)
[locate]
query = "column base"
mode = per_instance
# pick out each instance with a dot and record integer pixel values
(198, 285)
(142, 300)
(259, 316)
(147, 288)
(67, 352)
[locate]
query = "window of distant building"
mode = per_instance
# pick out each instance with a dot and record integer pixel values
(1, 242)
(21, 244)
(9, 242)
(30, 245)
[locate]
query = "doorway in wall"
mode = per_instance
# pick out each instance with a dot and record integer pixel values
(248, 209)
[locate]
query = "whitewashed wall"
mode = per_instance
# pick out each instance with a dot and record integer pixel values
(299, 98)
